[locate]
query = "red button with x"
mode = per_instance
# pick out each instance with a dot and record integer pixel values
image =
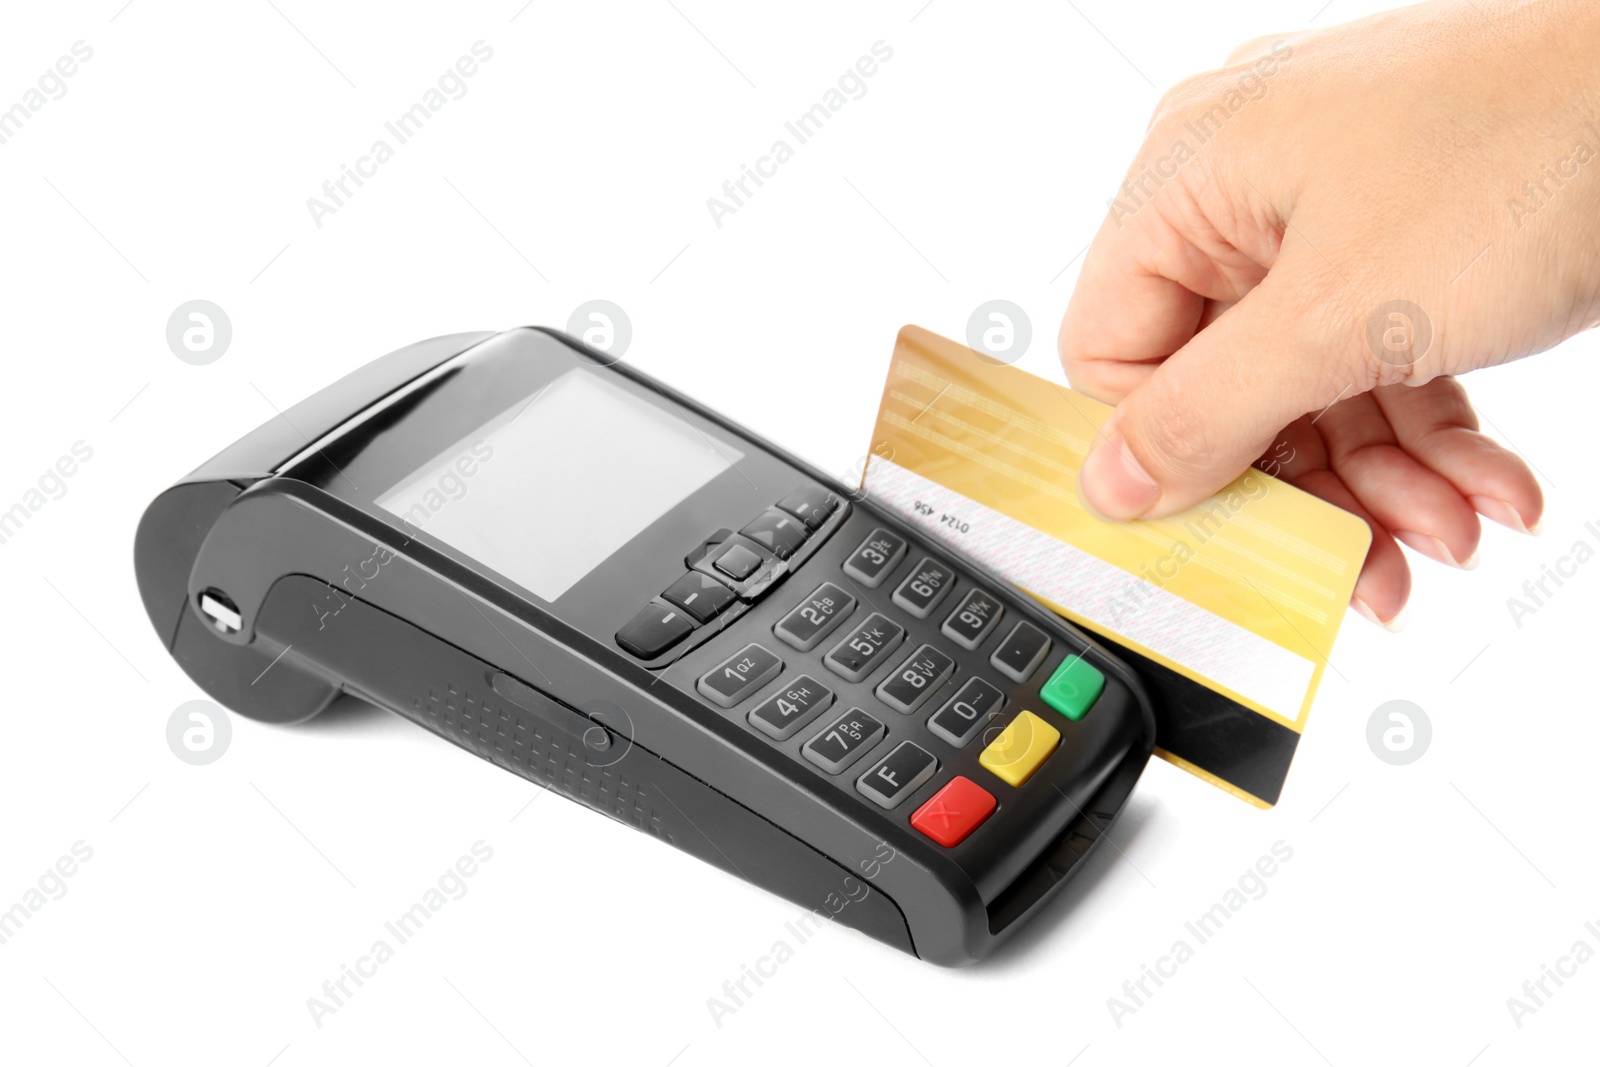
(954, 812)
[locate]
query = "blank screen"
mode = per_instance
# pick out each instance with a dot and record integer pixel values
(550, 489)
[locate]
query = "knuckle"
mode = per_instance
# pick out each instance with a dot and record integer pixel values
(1181, 98)
(1253, 48)
(1330, 325)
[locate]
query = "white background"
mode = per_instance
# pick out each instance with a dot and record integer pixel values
(220, 898)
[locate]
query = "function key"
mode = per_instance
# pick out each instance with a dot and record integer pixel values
(898, 775)
(954, 812)
(875, 557)
(742, 674)
(699, 553)
(843, 742)
(699, 594)
(915, 680)
(1073, 687)
(1020, 749)
(961, 719)
(811, 504)
(777, 532)
(1020, 654)
(817, 616)
(796, 704)
(857, 655)
(972, 620)
(927, 584)
(655, 629)
(737, 562)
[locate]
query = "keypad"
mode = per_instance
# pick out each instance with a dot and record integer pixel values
(972, 619)
(655, 629)
(777, 532)
(817, 616)
(844, 740)
(1020, 654)
(882, 759)
(811, 504)
(899, 774)
(782, 715)
(867, 646)
(924, 587)
(701, 595)
(959, 721)
(739, 676)
(910, 685)
(875, 557)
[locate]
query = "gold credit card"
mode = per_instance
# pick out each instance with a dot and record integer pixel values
(1227, 611)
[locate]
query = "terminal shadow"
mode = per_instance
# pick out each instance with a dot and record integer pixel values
(346, 714)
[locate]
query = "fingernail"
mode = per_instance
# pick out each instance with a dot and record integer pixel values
(1502, 512)
(1435, 550)
(1113, 483)
(1394, 625)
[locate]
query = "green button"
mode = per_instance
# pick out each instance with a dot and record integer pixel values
(1073, 688)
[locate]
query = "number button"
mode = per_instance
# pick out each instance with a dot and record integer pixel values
(1020, 654)
(857, 655)
(782, 715)
(817, 616)
(843, 742)
(960, 720)
(915, 680)
(926, 586)
(875, 557)
(900, 774)
(972, 620)
(740, 676)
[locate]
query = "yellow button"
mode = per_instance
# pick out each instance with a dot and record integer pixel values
(1016, 754)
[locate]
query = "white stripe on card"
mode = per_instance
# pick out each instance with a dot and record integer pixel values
(1139, 612)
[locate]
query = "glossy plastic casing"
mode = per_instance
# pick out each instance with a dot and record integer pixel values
(539, 688)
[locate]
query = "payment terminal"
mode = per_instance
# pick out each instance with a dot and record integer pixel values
(588, 579)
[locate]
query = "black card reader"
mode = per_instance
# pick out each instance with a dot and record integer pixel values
(592, 581)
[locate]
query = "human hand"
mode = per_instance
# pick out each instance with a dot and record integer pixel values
(1315, 239)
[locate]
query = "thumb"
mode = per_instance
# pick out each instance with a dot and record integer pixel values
(1213, 407)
